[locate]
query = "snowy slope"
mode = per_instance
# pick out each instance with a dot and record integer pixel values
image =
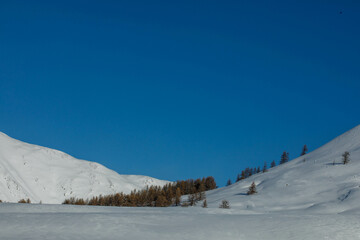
(310, 182)
(50, 176)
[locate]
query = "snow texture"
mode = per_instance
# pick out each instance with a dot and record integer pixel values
(34, 222)
(51, 176)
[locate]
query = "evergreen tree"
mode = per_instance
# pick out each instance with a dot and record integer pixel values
(204, 205)
(252, 189)
(258, 170)
(224, 204)
(273, 164)
(238, 177)
(228, 183)
(201, 191)
(284, 158)
(177, 196)
(161, 201)
(304, 150)
(192, 199)
(210, 183)
(242, 175)
(346, 157)
(265, 167)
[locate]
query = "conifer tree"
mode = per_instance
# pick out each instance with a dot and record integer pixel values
(242, 175)
(258, 170)
(346, 157)
(273, 164)
(204, 205)
(192, 199)
(265, 167)
(177, 196)
(201, 191)
(160, 201)
(252, 189)
(304, 150)
(228, 183)
(238, 177)
(284, 157)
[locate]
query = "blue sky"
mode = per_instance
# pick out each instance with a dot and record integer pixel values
(179, 89)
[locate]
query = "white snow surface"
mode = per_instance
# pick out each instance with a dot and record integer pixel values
(37, 222)
(306, 198)
(50, 176)
(311, 182)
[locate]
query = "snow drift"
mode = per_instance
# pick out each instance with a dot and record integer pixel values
(50, 176)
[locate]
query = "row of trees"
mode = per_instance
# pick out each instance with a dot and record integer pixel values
(247, 172)
(153, 196)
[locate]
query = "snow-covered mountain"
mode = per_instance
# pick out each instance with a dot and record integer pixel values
(50, 176)
(317, 181)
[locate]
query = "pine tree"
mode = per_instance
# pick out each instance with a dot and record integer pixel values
(242, 175)
(192, 199)
(304, 150)
(252, 189)
(161, 201)
(201, 191)
(273, 164)
(177, 196)
(238, 177)
(228, 183)
(224, 204)
(346, 157)
(258, 170)
(204, 205)
(284, 157)
(265, 167)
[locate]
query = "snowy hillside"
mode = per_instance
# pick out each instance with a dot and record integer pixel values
(311, 182)
(50, 176)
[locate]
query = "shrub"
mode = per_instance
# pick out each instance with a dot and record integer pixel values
(224, 204)
(24, 201)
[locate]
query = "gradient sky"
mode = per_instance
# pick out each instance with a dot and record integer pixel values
(179, 89)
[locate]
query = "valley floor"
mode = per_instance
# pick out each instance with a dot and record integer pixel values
(32, 221)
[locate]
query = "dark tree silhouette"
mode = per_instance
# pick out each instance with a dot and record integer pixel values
(204, 205)
(284, 158)
(273, 164)
(346, 157)
(252, 189)
(265, 167)
(304, 150)
(228, 183)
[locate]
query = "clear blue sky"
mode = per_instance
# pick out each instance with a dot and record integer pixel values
(179, 89)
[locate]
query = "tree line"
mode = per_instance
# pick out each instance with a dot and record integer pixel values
(152, 196)
(248, 172)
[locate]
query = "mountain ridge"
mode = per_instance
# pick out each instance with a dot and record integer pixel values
(48, 175)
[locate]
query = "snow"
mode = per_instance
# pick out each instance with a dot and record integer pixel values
(306, 198)
(23, 221)
(50, 176)
(310, 182)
